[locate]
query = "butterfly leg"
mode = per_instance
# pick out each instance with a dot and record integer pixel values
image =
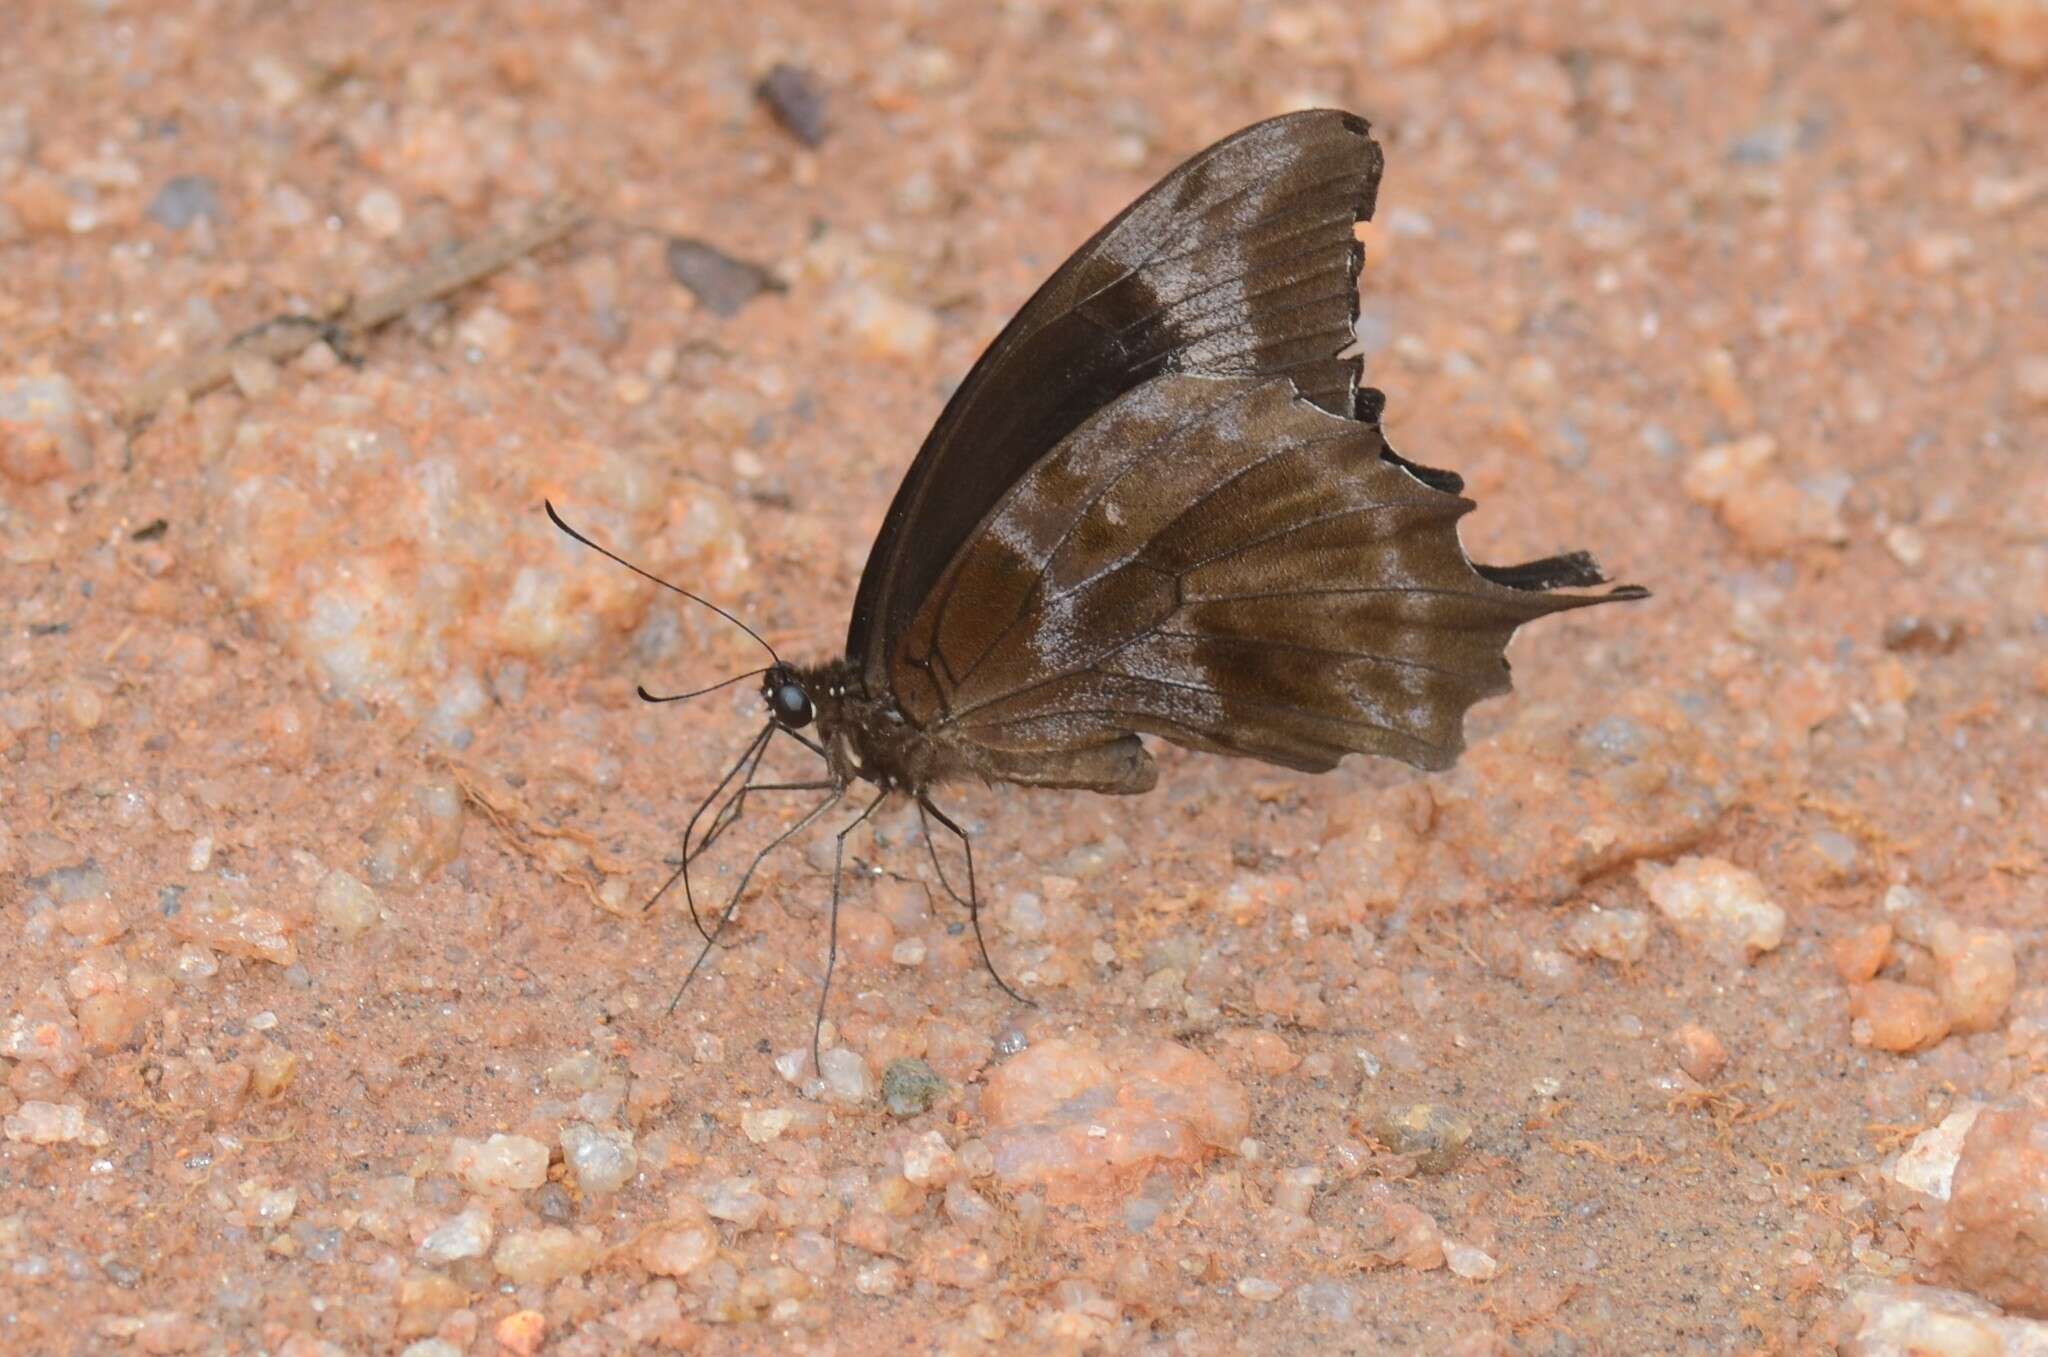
(832, 931)
(972, 904)
(729, 814)
(732, 903)
(748, 758)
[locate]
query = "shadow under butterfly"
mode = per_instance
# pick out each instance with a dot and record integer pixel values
(1160, 504)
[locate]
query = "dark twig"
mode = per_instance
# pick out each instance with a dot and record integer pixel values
(288, 336)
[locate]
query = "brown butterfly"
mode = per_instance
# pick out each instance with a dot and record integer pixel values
(1160, 504)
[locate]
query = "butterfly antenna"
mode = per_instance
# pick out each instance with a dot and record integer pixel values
(646, 696)
(645, 575)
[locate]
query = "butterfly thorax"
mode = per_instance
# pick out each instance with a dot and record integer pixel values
(864, 738)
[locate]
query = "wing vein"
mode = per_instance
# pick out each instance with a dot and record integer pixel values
(1305, 648)
(1241, 699)
(1305, 524)
(1202, 415)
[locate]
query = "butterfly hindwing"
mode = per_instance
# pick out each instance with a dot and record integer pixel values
(1225, 564)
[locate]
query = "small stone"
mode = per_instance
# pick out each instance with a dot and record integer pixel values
(928, 1160)
(1412, 32)
(1937, 252)
(1473, 1264)
(185, 199)
(888, 325)
(601, 1161)
(1025, 914)
(418, 831)
(168, 1331)
(909, 952)
(41, 1123)
(1331, 1303)
(2030, 381)
(77, 884)
(80, 705)
(1260, 1289)
(678, 1252)
(796, 100)
(1906, 545)
(1928, 1165)
(1993, 1236)
(951, 1258)
(2026, 1033)
(112, 1021)
(721, 283)
(1975, 973)
(208, 916)
(1890, 1319)
(1887, 1015)
(578, 1072)
(346, 905)
(380, 213)
(214, 1089)
(1295, 1191)
(552, 1203)
(1435, 1135)
(1164, 988)
(812, 1254)
(43, 433)
(1070, 1112)
(2013, 33)
(976, 1159)
(1911, 917)
(1763, 508)
(1268, 1052)
(265, 1206)
(1714, 905)
(487, 333)
(1700, 1053)
(546, 1255)
(1618, 935)
(95, 919)
(45, 1033)
(276, 79)
(467, 1235)
(254, 375)
(199, 855)
(763, 1124)
(430, 1347)
(425, 1301)
(847, 1080)
(1405, 1235)
(736, 1200)
(967, 1208)
(521, 1333)
(883, 1277)
(272, 1069)
(501, 1164)
(910, 1086)
(1859, 955)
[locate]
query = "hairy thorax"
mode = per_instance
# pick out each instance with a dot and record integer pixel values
(867, 738)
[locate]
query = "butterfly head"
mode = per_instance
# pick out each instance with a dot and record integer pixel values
(789, 699)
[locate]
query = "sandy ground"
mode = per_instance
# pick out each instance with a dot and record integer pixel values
(327, 812)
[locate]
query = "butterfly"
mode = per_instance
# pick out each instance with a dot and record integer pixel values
(1160, 504)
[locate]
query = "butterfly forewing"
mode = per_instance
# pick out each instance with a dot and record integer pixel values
(1240, 262)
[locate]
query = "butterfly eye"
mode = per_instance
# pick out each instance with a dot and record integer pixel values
(792, 705)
